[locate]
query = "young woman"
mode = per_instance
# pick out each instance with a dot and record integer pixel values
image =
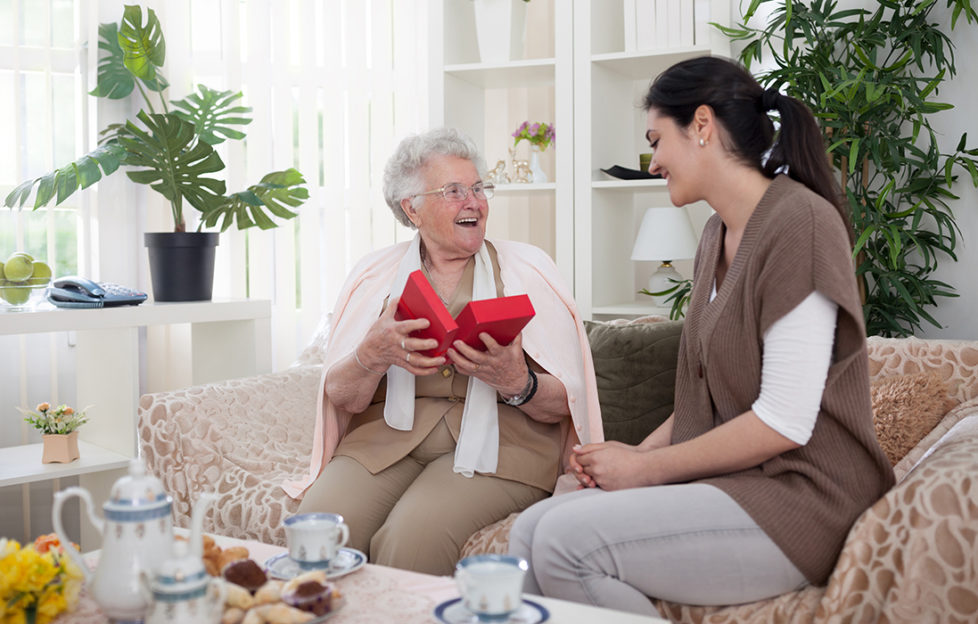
(748, 490)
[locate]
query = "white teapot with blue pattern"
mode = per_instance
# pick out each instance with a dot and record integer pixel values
(137, 534)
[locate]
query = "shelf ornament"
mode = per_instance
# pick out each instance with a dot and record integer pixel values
(59, 431)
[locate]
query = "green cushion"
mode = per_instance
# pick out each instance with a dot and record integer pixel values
(635, 366)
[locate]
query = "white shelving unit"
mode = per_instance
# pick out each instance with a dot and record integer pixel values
(593, 76)
(229, 339)
(611, 78)
(488, 101)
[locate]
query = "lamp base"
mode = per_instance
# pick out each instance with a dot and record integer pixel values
(660, 281)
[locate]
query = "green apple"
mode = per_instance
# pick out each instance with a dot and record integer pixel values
(41, 275)
(15, 295)
(1, 271)
(19, 267)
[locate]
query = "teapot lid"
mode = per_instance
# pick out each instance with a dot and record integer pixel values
(181, 572)
(137, 489)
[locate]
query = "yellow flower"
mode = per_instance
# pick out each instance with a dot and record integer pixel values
(45, 584)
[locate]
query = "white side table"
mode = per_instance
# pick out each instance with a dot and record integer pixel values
(229, 338)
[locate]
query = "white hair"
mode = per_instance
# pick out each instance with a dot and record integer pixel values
(402, 175)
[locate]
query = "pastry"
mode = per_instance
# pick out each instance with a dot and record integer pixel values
(270, 592)
(311, 596)
(246, 573)
(238, 597)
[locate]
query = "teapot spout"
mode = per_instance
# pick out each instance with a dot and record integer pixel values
(197, 523)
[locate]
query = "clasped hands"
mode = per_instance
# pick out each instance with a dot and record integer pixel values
(610, 465)
(389, 343)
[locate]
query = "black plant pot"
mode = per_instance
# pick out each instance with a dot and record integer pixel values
(181, 264)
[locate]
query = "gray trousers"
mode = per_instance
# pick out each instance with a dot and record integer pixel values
(688, 543)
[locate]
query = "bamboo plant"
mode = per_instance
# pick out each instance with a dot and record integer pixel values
(872, 76)
(170, 147)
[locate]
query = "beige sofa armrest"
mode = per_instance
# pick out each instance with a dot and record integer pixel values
(240, 438)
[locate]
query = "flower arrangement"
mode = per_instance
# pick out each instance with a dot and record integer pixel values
(37, 582)
(540, 135)
(60, 420)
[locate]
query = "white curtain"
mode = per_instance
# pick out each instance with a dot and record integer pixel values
(333, 84)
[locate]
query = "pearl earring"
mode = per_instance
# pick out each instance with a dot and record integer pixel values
(702, 142)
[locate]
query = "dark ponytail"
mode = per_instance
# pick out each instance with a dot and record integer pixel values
(741, 105)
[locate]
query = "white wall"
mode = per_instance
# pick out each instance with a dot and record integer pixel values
(958, 315)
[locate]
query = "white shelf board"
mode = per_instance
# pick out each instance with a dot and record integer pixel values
(47, 318)
(528, 73)
(630, 185)
(630, 308)
(647, 64)
(22, 464)
(517, 188)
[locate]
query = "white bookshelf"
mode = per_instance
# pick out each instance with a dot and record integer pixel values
(593, 76)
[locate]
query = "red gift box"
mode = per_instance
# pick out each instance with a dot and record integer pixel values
(502, 317)
(419, 300)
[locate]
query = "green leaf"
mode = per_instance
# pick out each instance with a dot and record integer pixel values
(248, 208)
(143, 46)
(175, 163)
(212, 114)
(62, 182)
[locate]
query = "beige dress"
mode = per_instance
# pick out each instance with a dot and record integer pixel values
(398, 491)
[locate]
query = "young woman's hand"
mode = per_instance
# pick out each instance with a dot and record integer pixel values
(611, 465)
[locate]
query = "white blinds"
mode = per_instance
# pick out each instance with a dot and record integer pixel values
(333, 84)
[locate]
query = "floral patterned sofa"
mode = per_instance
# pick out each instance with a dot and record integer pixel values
(912, 557)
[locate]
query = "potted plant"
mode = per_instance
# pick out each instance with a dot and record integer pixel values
(871, 76)
(539, 136)
(59, 431)
(171, 149)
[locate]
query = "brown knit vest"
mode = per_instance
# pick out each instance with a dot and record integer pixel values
(806, 499)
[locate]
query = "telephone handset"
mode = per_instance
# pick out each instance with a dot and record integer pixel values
(79, 292)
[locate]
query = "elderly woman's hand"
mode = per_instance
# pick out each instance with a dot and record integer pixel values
(503, 368)
(388, 342)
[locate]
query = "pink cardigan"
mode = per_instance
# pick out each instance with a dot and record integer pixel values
(523, 269)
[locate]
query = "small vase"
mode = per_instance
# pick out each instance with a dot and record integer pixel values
(60, 448)
(539, 175)
(500, 29)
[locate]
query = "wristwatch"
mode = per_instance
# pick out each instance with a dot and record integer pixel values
(527, 393)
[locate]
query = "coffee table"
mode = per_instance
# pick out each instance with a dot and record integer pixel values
(380, 595)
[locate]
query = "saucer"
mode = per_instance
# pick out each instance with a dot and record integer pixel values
(284, 568)
(452, 612)
(624, 173)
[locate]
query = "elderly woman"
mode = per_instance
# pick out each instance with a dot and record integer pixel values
(419, 452)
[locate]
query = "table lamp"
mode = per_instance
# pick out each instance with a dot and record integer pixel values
(666, 234)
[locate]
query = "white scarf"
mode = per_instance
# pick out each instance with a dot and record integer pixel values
(478, 442)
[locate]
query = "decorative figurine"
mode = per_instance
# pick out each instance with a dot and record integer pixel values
(498, 174)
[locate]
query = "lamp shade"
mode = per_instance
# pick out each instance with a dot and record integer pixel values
(665, 234)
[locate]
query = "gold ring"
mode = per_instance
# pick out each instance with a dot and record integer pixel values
(407, 358)
(476, 367)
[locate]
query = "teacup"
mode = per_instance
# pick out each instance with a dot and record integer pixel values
(314, 538)
(491, 585)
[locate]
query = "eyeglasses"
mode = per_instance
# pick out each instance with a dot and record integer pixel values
(455, 191)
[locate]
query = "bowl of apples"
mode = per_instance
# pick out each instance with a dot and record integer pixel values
(22, 282)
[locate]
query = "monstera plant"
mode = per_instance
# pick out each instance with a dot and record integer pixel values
(169, 147)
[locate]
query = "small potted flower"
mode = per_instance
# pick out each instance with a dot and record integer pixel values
(539, 136)
(59, 430)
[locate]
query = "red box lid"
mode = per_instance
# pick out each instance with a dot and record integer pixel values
(502, 318)
(419, 300)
